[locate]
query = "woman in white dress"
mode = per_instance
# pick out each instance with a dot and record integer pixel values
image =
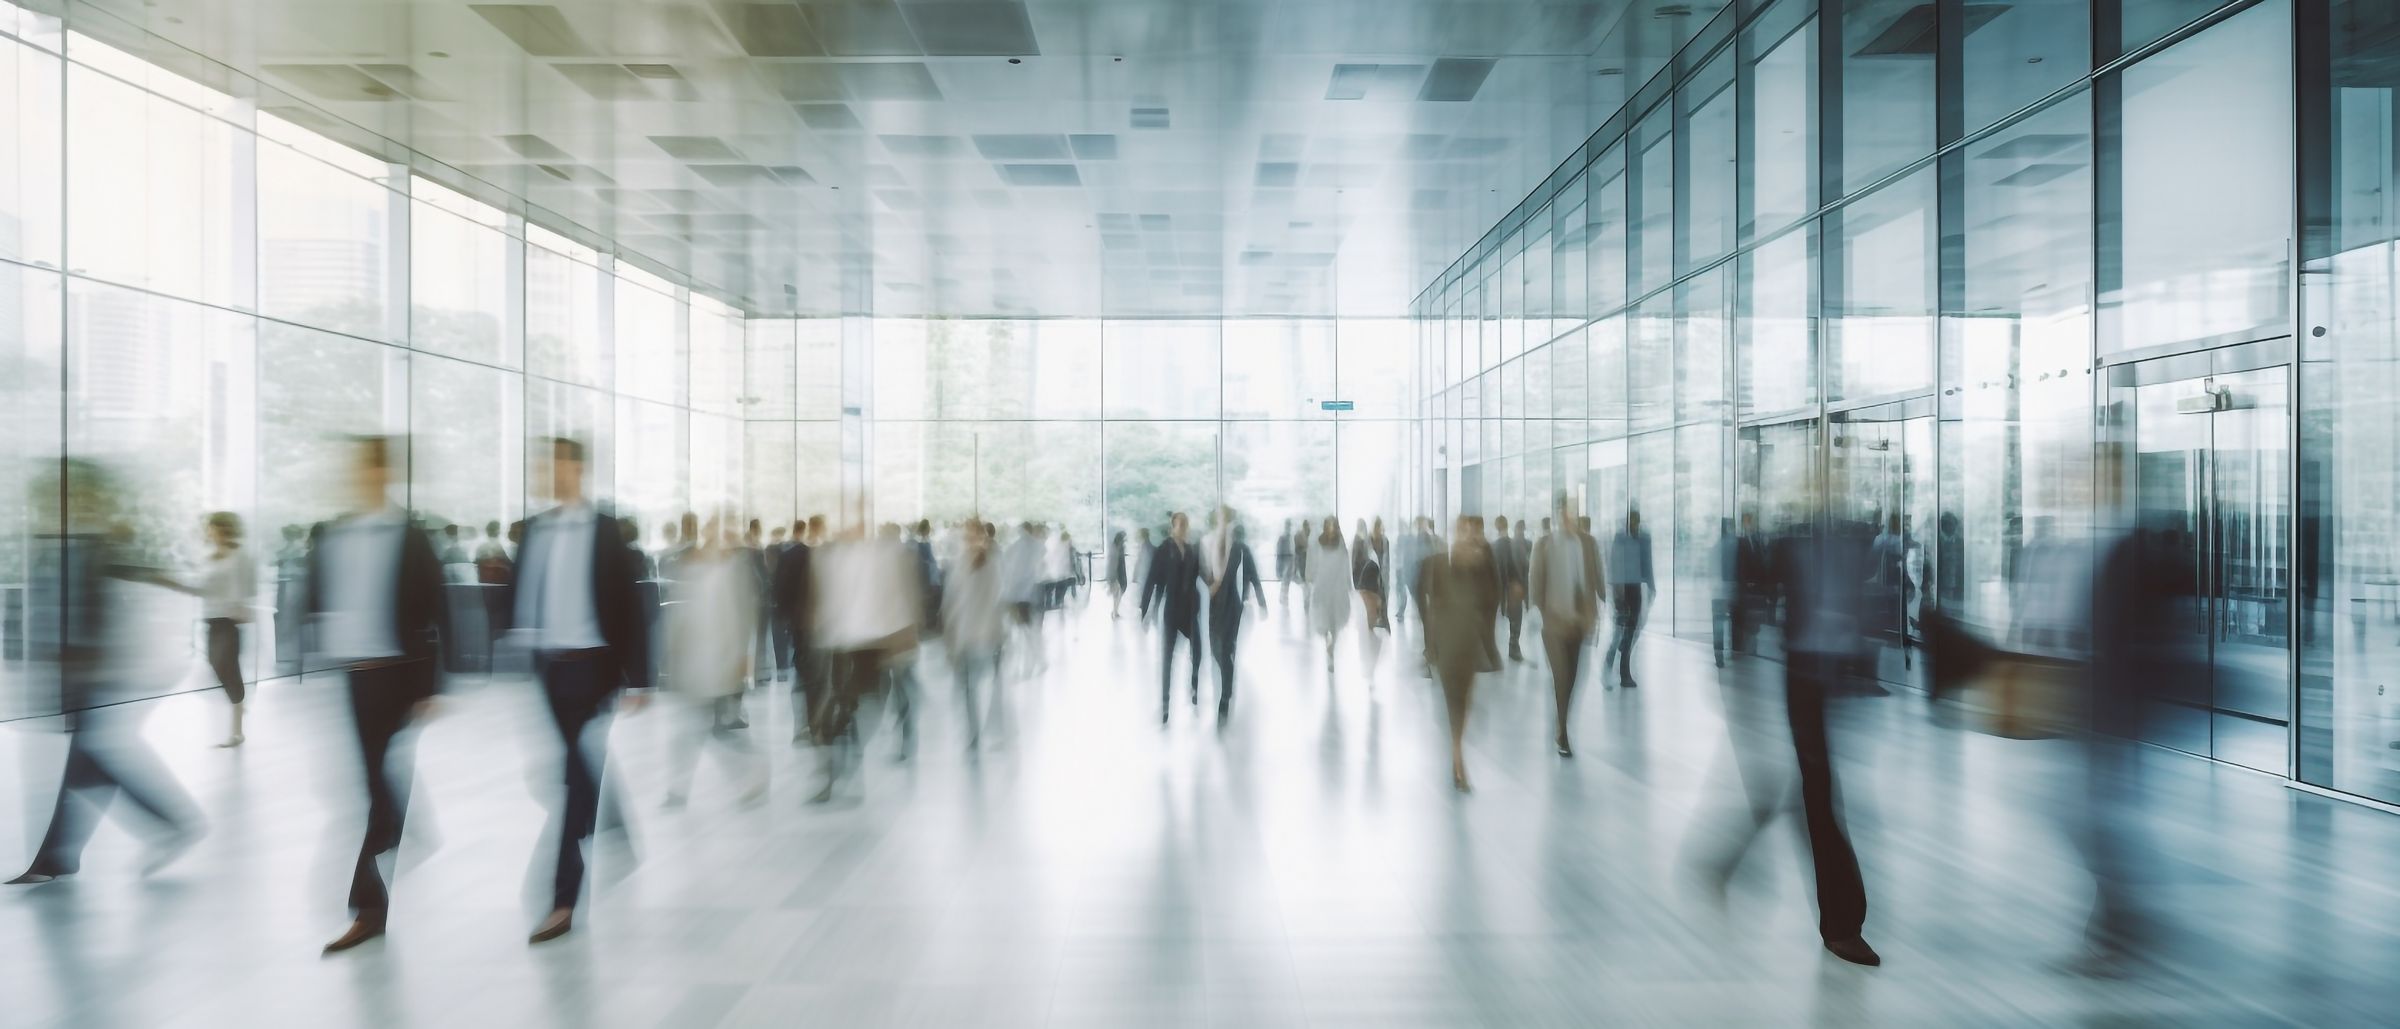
(226, 585)
(1329, 586)
(708, 655)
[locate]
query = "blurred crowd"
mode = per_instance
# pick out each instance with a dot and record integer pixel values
(724, 613)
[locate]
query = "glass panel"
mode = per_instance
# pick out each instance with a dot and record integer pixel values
(2350, 425)
(817, 353)
(1278, 367)
(2144, 22)
(563, 303)
(160, 200)
(1775, 359)
(1879, 325)
(769, 464)
(767, 369)
(1650, 365)
(1708, 193)
(2018, 53)
(1376, 372)
(653, 359)
(2021, 348)
(1155, 468)
(1276, 471)
(2204, 181)
(1604, 375)
(1605, 213)
(458, 277)
(326, 241)
(1887, 88)
(31, 139)
(316, 389)
(1783, 133)
(1700, 348)
(1160, 369)
(31, 405)
(1654, 240)
(1570, 279)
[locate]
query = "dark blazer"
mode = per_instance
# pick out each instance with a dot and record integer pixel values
(1225, 605)
(1175, 579)
(417, 605)
(791, 594)
(616, 597)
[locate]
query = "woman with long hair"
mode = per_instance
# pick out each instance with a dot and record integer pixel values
(1116, 574)
(1329, 586)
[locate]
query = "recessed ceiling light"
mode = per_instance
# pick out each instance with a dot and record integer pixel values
(1605, 72)
(1016, 60)
(2033, 60)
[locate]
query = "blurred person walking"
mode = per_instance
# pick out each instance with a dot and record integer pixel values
(794, 593)
(1115, 560)
(1231, 571)
(375, 594)
(1564, 583)
(1283, 565)
(1823, 578)
(1174, 585)
(1330, 584)
(1630, 586)
(580, 615)
(1510, 565)
(1460, 599)
(866, 613)
(226, 585)
(99, 666)
(973, 626)
(1366, 578)
(708, 663)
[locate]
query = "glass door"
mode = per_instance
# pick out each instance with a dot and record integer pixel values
(1882, 489)
(2209, 481)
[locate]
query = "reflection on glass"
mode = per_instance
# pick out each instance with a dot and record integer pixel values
(2018, 53)
(2205, 181)
(1887, 88)
(458, 276)
(1879, 323)
(31, 139)
(1774, 361)
(326, 246)
(1708, 193)
(1160, 369)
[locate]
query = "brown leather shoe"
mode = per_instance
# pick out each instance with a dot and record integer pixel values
(560, 922)
(359, 932)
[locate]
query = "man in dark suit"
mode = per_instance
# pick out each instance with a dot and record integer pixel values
(1232, 574)
(375, 596)
(1174, 583)
(793, 590)
(1509, 557)
(580, 613)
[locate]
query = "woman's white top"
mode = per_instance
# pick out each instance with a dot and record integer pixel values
(709, 625)
(228, 583)
(1328, 586)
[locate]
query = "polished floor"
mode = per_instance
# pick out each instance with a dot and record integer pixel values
(1306, 865)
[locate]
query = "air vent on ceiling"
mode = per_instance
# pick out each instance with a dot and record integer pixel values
(1027, 147)
(1915, 32)
(828, 117)
(862, 28)
(1455, 79)
(606, 81)
(697, 148)
(977, 28)
(1040, 175)
(1278, 175)
(890, 82)
(532, 147)
(333, 81)
(1150, 117)
(774, 30)
(920, 146)
(1373, 81)
(1094, 146)
(537, 29)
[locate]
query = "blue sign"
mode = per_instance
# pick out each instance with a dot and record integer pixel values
(1337, 405)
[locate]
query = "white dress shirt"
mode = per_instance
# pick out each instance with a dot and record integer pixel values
(361, 556)
(228, 582)
(559, 609)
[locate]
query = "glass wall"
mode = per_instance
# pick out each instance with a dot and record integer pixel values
(203, 298)
(1973, 280)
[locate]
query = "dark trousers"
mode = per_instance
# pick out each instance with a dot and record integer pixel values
(105, 757)
(1563, 645)
(1629, 629)
(1841, 893)
(1187, 629)
(808, 686)
(1514, 611)
(580, 697)
(225, 655)
(782, 628)
(383, 699)
(1223, 633)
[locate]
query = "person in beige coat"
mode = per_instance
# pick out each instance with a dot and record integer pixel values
(1461, 596)
(1565, 588)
